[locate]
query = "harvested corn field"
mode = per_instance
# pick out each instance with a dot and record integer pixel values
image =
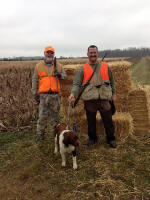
(17, 105)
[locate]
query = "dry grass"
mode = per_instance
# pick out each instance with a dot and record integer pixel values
(31, 172)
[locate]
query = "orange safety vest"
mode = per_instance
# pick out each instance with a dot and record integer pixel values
(87, 69)
(47, 82)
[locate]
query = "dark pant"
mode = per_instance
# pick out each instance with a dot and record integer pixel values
(103, 106)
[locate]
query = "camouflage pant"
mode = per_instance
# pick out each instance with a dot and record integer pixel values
(49, 107)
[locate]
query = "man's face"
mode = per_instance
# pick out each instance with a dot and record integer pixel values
(92, 55)
(49, 55)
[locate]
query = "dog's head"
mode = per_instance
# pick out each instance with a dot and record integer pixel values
(71, 137)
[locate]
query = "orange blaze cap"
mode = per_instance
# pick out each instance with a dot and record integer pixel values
(49, 48)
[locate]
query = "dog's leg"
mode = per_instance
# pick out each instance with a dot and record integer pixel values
(56, 145)
(74, 159)
(63, 158)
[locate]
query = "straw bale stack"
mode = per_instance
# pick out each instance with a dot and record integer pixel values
(67, 84)
(122, 76)
(123, 124)
(70, 71)
(139, 108)
(65, 92)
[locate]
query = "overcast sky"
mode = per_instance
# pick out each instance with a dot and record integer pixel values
(70, 26)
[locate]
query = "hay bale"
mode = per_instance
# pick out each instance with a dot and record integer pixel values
(123, 124)
(65, 92)
(122, 76)
(139, 108)
(121, 72)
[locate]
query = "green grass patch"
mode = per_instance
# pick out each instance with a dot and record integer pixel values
(141, 72)
(8, 138)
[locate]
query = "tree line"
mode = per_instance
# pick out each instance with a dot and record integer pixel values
(130, 52)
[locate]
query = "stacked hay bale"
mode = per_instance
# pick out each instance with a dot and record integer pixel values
(123, 124)
(78, 112)
(122, 76)
(123, 121)
(139, 108)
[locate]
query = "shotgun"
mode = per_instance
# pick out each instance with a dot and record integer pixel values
(55, 65)
(55, 71)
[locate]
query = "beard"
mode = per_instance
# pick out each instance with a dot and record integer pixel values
(48, 60)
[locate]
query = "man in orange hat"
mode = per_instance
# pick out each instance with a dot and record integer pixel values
(46, 90)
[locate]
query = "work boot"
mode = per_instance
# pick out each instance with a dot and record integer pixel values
(38, 138)
(90, 143)
(43, 137)
(113, 144)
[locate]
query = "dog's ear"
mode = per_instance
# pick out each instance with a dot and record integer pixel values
(63, 126)
(66, 140)
(60, 127)
(74, 139)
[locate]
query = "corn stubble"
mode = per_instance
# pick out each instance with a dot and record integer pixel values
(17, 104)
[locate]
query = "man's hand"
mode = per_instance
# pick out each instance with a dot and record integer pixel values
(37, 98)
(113, 98)
(57, 74)
(71, 98)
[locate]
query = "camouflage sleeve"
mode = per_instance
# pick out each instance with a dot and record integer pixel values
(112, 81)
(77, 82)
(35, 82)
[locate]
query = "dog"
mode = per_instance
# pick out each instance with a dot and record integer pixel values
(66, 141)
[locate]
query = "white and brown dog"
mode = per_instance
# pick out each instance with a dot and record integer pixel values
(66, 141)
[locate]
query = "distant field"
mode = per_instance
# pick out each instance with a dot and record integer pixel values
(141, 71)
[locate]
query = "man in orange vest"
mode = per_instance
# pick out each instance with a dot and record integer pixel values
(97, 95)
(46, 89)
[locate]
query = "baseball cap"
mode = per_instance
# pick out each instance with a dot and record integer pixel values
(49, 48)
